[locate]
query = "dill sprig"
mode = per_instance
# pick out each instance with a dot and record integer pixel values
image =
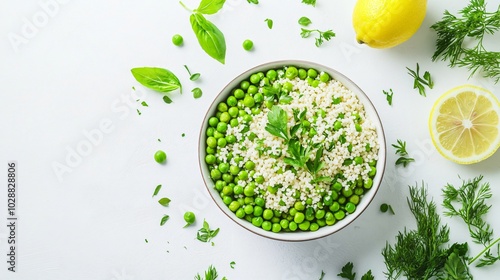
(473, 24)
(469, 203)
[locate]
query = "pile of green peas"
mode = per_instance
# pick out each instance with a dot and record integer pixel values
(246, 202)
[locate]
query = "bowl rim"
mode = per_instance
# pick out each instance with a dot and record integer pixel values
(370, 110)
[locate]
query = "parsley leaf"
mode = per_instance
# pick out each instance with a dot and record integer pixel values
(305, 21)
(347, 271)
(277, 122)
(323, 35)
(388, 96)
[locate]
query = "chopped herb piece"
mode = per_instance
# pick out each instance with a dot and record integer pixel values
(269, 23)
(388, 96)
(419, 82)
(139, 112)
(384, 207)
(143, 103)
(304, 21)
(157, 190)
(322, 275)
(192, 77)
(164, 201)
(164, 219)
(205, 234)
(232, 264)
(309, 2)
(253, 1)
(167, 99)
(347, 272)
(197, 92)
(210, 274)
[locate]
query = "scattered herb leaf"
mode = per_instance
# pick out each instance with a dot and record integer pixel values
(143, 103)
(269, 23)
(164, 219)
(419, 82)
(277, 122)
(322, 275)
(232, 264)
(157, 190)
(304, 21)
(210, 7)
(404, 159)
(210, 274)
(309, 2)
(347, 271)
(139, 112)
(384, 207)
(158, 79)
(253, 1)
(192, 77)
(167, 99)
(388, 96)
(164, 201)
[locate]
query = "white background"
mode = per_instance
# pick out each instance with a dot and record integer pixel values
(65, 75)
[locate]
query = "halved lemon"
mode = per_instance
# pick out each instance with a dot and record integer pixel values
(464, 124)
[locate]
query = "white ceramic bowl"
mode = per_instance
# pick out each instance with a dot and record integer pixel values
(297, 235)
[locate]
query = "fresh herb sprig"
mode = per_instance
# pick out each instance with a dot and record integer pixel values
(322, 35)
(309, 2)
(347, 273)
(210, 274)
(210, 38)
(421, 253)
(205, 234)
(469, 203)
(472, 25)
(404, 159)
(420, 82)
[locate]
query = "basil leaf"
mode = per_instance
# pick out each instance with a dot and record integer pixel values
(157, 79)
(167, 99)
(209, 37)
(157, 190)
(197, 92)
(164, 220)
(210, 7)
(164, 201)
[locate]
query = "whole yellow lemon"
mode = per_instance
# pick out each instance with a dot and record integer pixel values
(387, 23)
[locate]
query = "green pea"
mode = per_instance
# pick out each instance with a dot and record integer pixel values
(257, 221)
(234, 170)
(234, 123)
(339, 215)
(218, 135)
(227, 199)
(232, 101)
(215, 174)
(238, 190)
(248, 209)
(342, 199)
(222, 127)
(275, 220)
(292, 212)
(225, 117)
(276, 227)
(359, 191)
(210, 159)
(324, 77)
(234, 205)
(244, 85)
(223, 167)
(252, 89)
(210, 131)
(292, 226)
(249, 190)
(160, 156)
(302, 73)
(287, 86)
(254, 79)
(266, 225)
(239, 212)
(368, 183)
(299, 206)
(350, 207)
(231, 139)
(256, 111)
(284, 223)
(327, 200)
(247, 45)
(372, 172)
(321, 222)
(309, 214)
(329, 216)
(347, 192)
(221, 142)
(315, 83)
(233, 111)
(304, 225)
(291, 72)
(335, 207)
(260, 179)
(249, 165)
(258, 211)
(249, 101)
(337, 186)
(177, 40)
(219, 185)
(320, 214)
(258, 97)
(335, 195)
(227, 190)
(313, 227)
(228, 178)
(247, 118)
(268, 214)
(260, 201)
(213, 121)
(354, 199)
(309, 201)
(243, 175)
(239, 94)
(189, 217)
(312, 73)
(248, 200)
(299, 217)
(222, 107)
(337, 125)
(271, 74)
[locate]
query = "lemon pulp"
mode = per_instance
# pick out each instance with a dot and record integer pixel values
(464, 124)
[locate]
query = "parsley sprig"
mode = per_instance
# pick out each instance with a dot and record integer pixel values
(388, 96)
(472, 25)
(404, 159)
(420, 82)
(347, 273)
(469, 203)
(322, 35)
